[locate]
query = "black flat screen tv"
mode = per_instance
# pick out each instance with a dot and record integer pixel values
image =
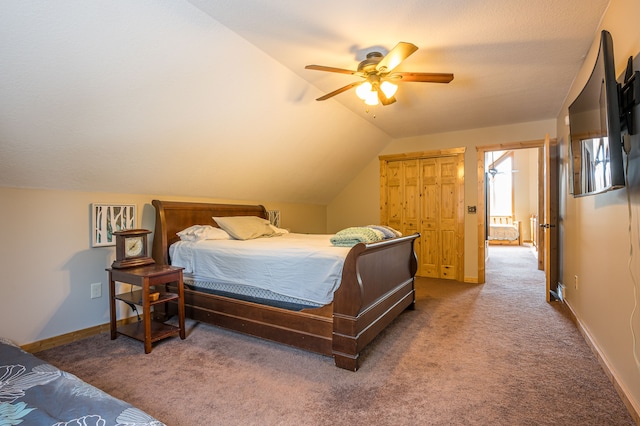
(596, 161)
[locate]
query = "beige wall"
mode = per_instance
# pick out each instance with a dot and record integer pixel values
(359, 202)
(599, 237)
(525, 180)
(534, 185)
(48, 263)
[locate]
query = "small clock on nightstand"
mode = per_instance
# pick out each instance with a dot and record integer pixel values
(131, 249)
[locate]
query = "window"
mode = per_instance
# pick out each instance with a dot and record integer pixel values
(501, 183)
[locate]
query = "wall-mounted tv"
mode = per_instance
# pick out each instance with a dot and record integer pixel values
(594, 119)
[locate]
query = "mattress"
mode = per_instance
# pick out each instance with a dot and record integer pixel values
(247, 293)
(300, 266)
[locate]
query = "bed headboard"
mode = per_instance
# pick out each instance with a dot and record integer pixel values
(174, 216)
(502, 220)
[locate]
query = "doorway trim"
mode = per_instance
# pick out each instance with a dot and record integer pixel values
(481, 151)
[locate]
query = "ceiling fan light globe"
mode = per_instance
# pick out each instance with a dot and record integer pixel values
(389, 89)
(372, 99)
(363, 90)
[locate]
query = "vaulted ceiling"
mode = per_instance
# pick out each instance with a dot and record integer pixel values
(210, 98)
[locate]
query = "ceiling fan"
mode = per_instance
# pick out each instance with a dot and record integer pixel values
(379, 78)
(493, 170)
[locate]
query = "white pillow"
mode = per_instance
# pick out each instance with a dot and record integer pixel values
(278, 231)
(245, 227)
(203, 232)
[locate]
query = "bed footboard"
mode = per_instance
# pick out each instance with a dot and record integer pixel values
(377, 286)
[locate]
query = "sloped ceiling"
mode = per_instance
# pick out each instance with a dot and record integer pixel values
(513, 60)
(210, 98)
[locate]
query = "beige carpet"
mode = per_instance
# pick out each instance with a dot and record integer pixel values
(492, 354)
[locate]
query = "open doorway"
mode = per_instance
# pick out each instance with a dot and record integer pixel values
(535, 188)
(512, 202)
(545, 229)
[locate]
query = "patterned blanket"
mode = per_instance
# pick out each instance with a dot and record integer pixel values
(33, 392)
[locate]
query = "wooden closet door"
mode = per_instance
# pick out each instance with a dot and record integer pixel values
(448, 218)
(424, 195)
(403, 193)
(411, 201)
(429, 254)
(439, 218)
(394, 188)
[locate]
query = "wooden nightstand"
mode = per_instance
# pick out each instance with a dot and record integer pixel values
(145, 277)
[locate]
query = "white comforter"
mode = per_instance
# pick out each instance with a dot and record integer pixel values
(503, 232)
(297, 265)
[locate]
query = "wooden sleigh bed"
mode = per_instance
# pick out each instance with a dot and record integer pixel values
(377, 285)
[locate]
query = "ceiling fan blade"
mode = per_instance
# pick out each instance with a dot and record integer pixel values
(422, 77)
(340, 90)
(329, 69)
(398, 54)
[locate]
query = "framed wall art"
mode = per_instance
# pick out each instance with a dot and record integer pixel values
(274, 217)
(109, 218)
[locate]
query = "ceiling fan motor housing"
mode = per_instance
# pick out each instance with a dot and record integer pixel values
(369, 64)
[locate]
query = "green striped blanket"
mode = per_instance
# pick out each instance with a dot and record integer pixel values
(349, 237)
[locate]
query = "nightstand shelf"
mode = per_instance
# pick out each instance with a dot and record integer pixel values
(159, 330)
(150, 279)
(135, 297)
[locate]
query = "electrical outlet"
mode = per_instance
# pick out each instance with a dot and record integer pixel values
(96, 290)
(575, 282)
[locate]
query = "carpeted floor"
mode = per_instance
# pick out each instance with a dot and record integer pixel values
(491, 354)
